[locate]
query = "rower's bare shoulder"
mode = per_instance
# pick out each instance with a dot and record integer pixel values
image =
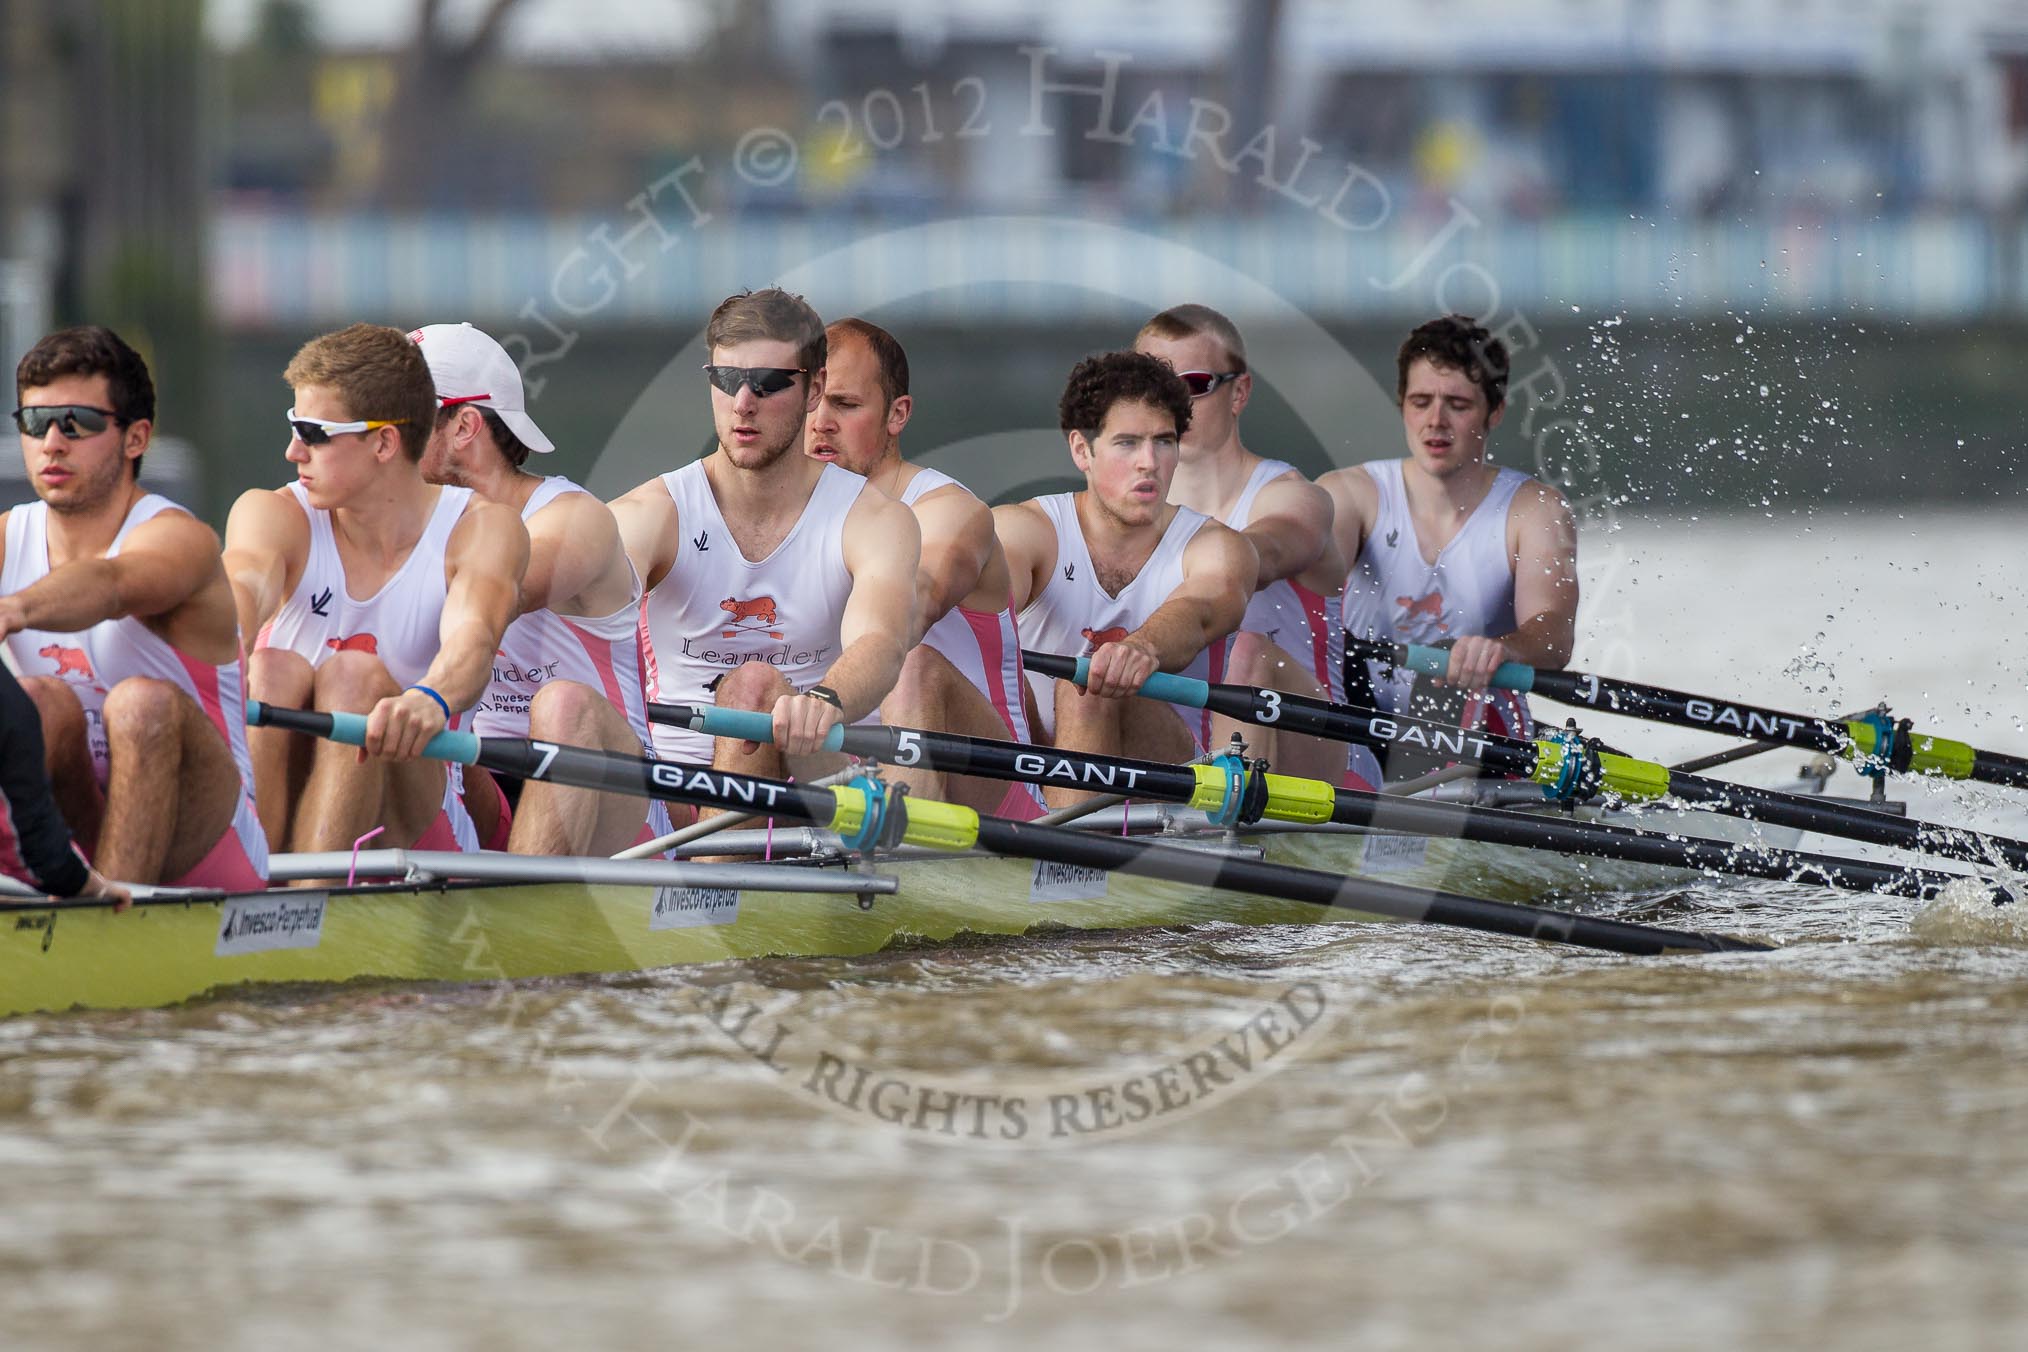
(270, 519)
(1292, 495)
(951, 511)
(577, 518)
(1351, 489)
(1541, 505)
(1220, 547)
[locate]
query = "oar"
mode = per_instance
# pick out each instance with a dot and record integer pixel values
(1568, 768)
(868, 817)
(1874, 741)
(1236, 793)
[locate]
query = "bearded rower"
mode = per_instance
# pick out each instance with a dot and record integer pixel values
(775, 582)
(963, 670)
(1292, 637)
(1121, 574)
(372, 592)
(568, 670)
(1448, 547)
(114, 604)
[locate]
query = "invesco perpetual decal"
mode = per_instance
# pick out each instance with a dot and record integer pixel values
(263, 924)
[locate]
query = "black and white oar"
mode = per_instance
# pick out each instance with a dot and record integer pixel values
(868, 815)
(1235, 793)
(1873, 741)
(1568, 767)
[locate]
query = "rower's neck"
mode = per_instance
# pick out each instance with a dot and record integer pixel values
(505, 484)
(89, 534)
(891, 474)
(386, 519)
(1108, 538)
(780, 489)
(1456, 494)
(1211, 480)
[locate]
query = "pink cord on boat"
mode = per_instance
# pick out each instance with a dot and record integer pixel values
(1126, 814)
(352, 874)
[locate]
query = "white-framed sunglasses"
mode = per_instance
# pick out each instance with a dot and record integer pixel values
(317, 431)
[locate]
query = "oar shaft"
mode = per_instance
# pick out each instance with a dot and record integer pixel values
(954, 827)
(1126, 854)
(1542, 763)
(1291, 799)
(1856, 738)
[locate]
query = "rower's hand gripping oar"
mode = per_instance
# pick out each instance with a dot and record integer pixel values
(1234, 792)
(1874, 742)
(868, 816)
(1569, 768)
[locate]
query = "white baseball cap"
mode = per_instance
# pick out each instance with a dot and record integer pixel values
(470, 368)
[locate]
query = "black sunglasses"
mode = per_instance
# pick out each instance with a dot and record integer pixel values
(762, 380)
(1201, 383)
(73, 420)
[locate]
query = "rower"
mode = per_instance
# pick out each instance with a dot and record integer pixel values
(114, 604)
(568, 670)
(1121, 574)
(963, 669)
(1292, 637)
(1448, 547)
(775, 582)
(375, 592)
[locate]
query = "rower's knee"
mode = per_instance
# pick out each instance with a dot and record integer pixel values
(752, 685)
(142, 711)
(925, 684)
(57, 703)
(280, 677)
(352, 682)
(1256, 659)
(569, 712)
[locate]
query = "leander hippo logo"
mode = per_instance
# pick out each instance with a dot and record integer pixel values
(69, 661)
(354, 643)
(756, 616)
(1421, 618)
(1094, 639)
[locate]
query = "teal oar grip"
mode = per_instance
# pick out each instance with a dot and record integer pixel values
(1162, 686)
(750, 726)
(448, 745)
(1420, 657)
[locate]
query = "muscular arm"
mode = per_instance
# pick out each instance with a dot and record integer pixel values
(1218, 576)
(266, 538)
(957, 540)
(646, 517)
(1355, 502)
(1545, 579)
(1030, 543)
(882, 548)
(163, 563)
(1543, 537)
(484, 561)
(1290, 528)
(570, 543)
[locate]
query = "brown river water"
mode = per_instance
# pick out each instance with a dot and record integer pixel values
(1345, 1135)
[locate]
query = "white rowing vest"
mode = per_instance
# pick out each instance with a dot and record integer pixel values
(92, 661)
(718, 609)
(1073, 615)
(983, 645)
(1303, 624)
(1394, 593)
(602, 652)
(400, 624)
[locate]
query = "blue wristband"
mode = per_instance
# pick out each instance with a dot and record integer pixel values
(441, 702)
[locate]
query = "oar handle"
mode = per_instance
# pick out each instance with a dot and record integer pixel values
(448, 745)
(1431, 661)
(749, 725)
(1162, 686)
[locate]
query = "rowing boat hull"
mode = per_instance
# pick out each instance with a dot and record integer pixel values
(76, 955)
(82, 955)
